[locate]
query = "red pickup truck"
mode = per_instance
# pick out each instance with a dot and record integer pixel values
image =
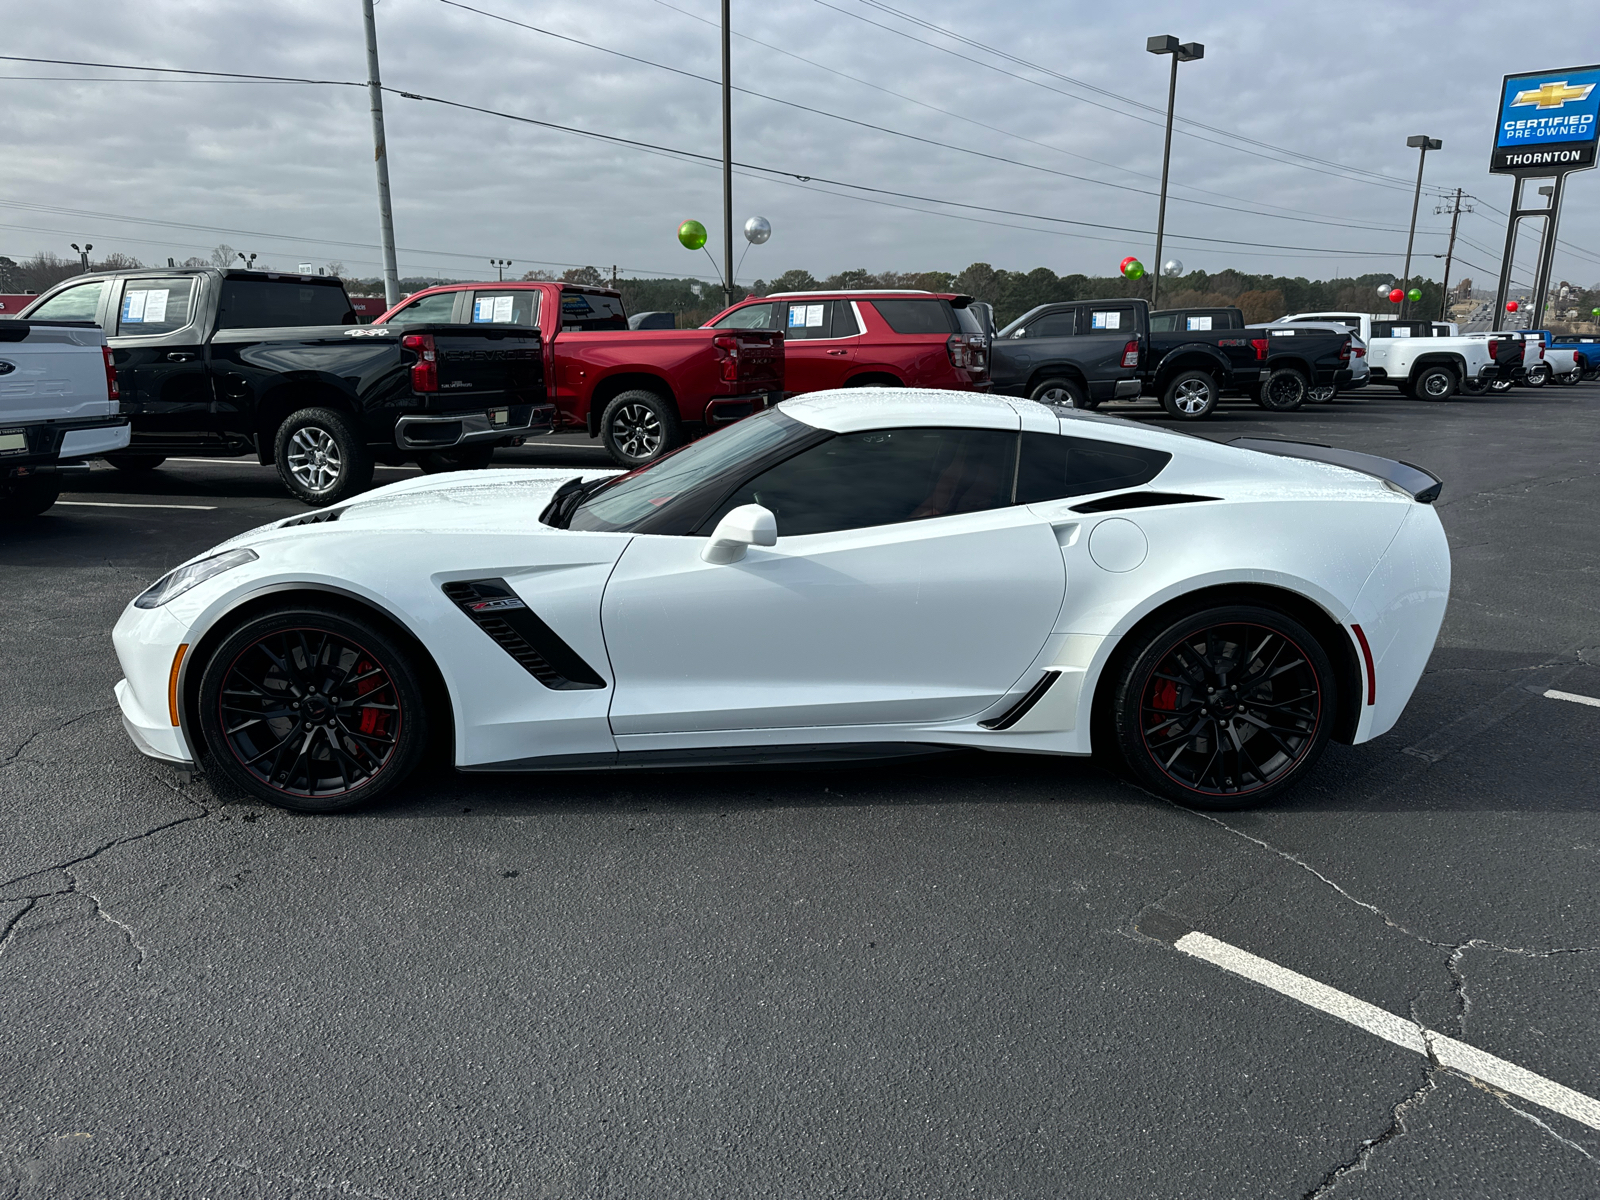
(642, 391)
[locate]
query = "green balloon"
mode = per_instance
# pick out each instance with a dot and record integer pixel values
(1134, 270)
(692, 235)
(1594, 312)
(1414, 294)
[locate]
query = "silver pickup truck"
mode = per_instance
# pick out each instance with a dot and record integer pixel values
(58, 407)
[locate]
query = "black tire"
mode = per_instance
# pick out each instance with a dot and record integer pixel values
(1061, 393)
(638, 427)
(1502, 384)
(28, 496)
(320, 456)
(373, 731)
(464, 458)
(1284, 390)
(1570, 379)
(1191, 395)
(1287, 711)
(1435, 383)
(1474, 387)
(136, 462)
(1321, 394)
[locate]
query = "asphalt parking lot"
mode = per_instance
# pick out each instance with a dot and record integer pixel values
(955, 976)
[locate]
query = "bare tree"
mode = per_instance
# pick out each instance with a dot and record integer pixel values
(224, 256)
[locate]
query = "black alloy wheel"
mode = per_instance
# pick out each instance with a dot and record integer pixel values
(28, 495)
(1284, 390)
(312, 710)
(462, 458)
(320, 456)
(1434, 383)
(638, 427)
(1226, 708)
(1061, 393)
(1191, 395)
(136, 462)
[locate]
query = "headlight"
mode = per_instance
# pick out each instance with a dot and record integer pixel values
(175, 583)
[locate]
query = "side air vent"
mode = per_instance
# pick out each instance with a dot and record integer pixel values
(321, 517)
(493, 607)
(1020, 709)
(1137, 500)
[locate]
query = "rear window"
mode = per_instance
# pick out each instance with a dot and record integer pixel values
(590, 310)
(1401, 329)
(279, 303)
(917, 316)
(966, 320)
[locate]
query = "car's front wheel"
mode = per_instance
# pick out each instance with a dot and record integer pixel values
(1322, 393)
(1191, 395)
(1538, 377)
(321, 457)
(311, 709)
(639, 427)
(28, 495)
(1225, 707)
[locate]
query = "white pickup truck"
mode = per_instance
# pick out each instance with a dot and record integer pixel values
(1407, 355)
(58, 406)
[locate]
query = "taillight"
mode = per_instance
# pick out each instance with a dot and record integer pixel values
(1358, 351)
(1130, 354)
(1541, 350)
(113, 392)
(956, 347)
(1259, 345)
(729, 346)
(968, 352)
(425, 371)
(1344, 351)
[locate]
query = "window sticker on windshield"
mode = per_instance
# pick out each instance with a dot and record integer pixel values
(133, 307)
(1199, 322)
(1106, 320)
(502, 309)
(1400, 331)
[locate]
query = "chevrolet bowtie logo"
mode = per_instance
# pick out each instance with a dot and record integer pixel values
(1552, 95)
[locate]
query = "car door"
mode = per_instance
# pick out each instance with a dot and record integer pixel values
(906, 586)
(819, 343)
(159, 347)
(1015, 359)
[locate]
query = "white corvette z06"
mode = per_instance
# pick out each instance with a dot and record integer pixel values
(853, 574)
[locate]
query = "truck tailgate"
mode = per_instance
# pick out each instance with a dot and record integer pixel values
(760, 360)
(492, 362)
(52, 372)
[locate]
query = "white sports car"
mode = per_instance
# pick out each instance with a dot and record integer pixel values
(853, 574)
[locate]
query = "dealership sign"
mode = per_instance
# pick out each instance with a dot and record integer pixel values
(1549, 122)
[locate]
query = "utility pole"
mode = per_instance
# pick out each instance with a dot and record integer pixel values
(613, 276)
(380, 155)
(1187, 52)
(1455, 210)
(1424, 143)
(727, 159)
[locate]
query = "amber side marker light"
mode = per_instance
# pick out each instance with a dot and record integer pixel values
(172, 683)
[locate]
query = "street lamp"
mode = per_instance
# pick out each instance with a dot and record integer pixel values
(83, 254)
(250, 262)
(500, 265)
(1187, 52)
(1423, 143)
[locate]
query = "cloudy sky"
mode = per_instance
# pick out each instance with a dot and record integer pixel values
(1298, 166)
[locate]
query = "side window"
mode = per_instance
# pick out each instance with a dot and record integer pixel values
(844, 319)
(519, 307)
(1164, 322)
(751, 316)
(916, 316)
(1109, 320)
(1051, 467)
(154, 306)
(78, 303)
(436, 309)
(1055, 324)
(802, 320)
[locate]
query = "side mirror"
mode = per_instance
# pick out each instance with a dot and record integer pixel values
(746, 526)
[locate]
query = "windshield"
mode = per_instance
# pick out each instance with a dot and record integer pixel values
(630, 499)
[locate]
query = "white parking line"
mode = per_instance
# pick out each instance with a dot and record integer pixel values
(118, 504)
(1445, 1051)
(1552, 694)
(245, 462)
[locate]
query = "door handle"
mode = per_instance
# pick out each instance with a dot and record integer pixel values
(180, 356)
(841, 352)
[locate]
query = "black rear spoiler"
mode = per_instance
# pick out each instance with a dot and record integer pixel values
(1421, 485)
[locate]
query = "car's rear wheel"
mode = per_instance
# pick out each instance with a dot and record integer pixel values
(1474, 387)
(1191, 395)
(1226, 707)
(1434, 383)
(638, 427)
(1538, 377)
(1063, 393)
(1502, 384)
(312, 710)
(1321, 394)
(28, 495)
(1284, 390)
(464, 458)
(321, 457)
(136, 462)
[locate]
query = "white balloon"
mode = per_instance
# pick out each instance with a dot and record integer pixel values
(1384, 289)
(757, 230)
(1172, 267)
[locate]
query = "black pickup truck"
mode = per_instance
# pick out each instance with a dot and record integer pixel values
(1086, 352)
(222, 363)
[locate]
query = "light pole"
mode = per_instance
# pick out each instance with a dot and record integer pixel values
(249, 263)
(83, 254)
(1187, 52)
(727, 160)
(500, 265)
(1423, 143)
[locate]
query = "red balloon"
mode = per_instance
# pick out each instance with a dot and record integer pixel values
(1396, 296)
(1511, 306)
(1126, 261)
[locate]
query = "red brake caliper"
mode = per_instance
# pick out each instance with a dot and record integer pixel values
(373, 720)
(1165, 695)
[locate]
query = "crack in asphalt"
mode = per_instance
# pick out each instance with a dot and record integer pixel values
(1397, 1129)
(1528, 1116)
(100, 908)
(11, 759)
(65, 867)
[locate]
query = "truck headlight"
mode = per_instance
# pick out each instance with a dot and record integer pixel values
(175, 583)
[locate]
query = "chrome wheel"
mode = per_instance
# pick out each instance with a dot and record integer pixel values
(309, 713)
(1322, 393)
(1191, 396)
(637, 431)
(314, 459)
